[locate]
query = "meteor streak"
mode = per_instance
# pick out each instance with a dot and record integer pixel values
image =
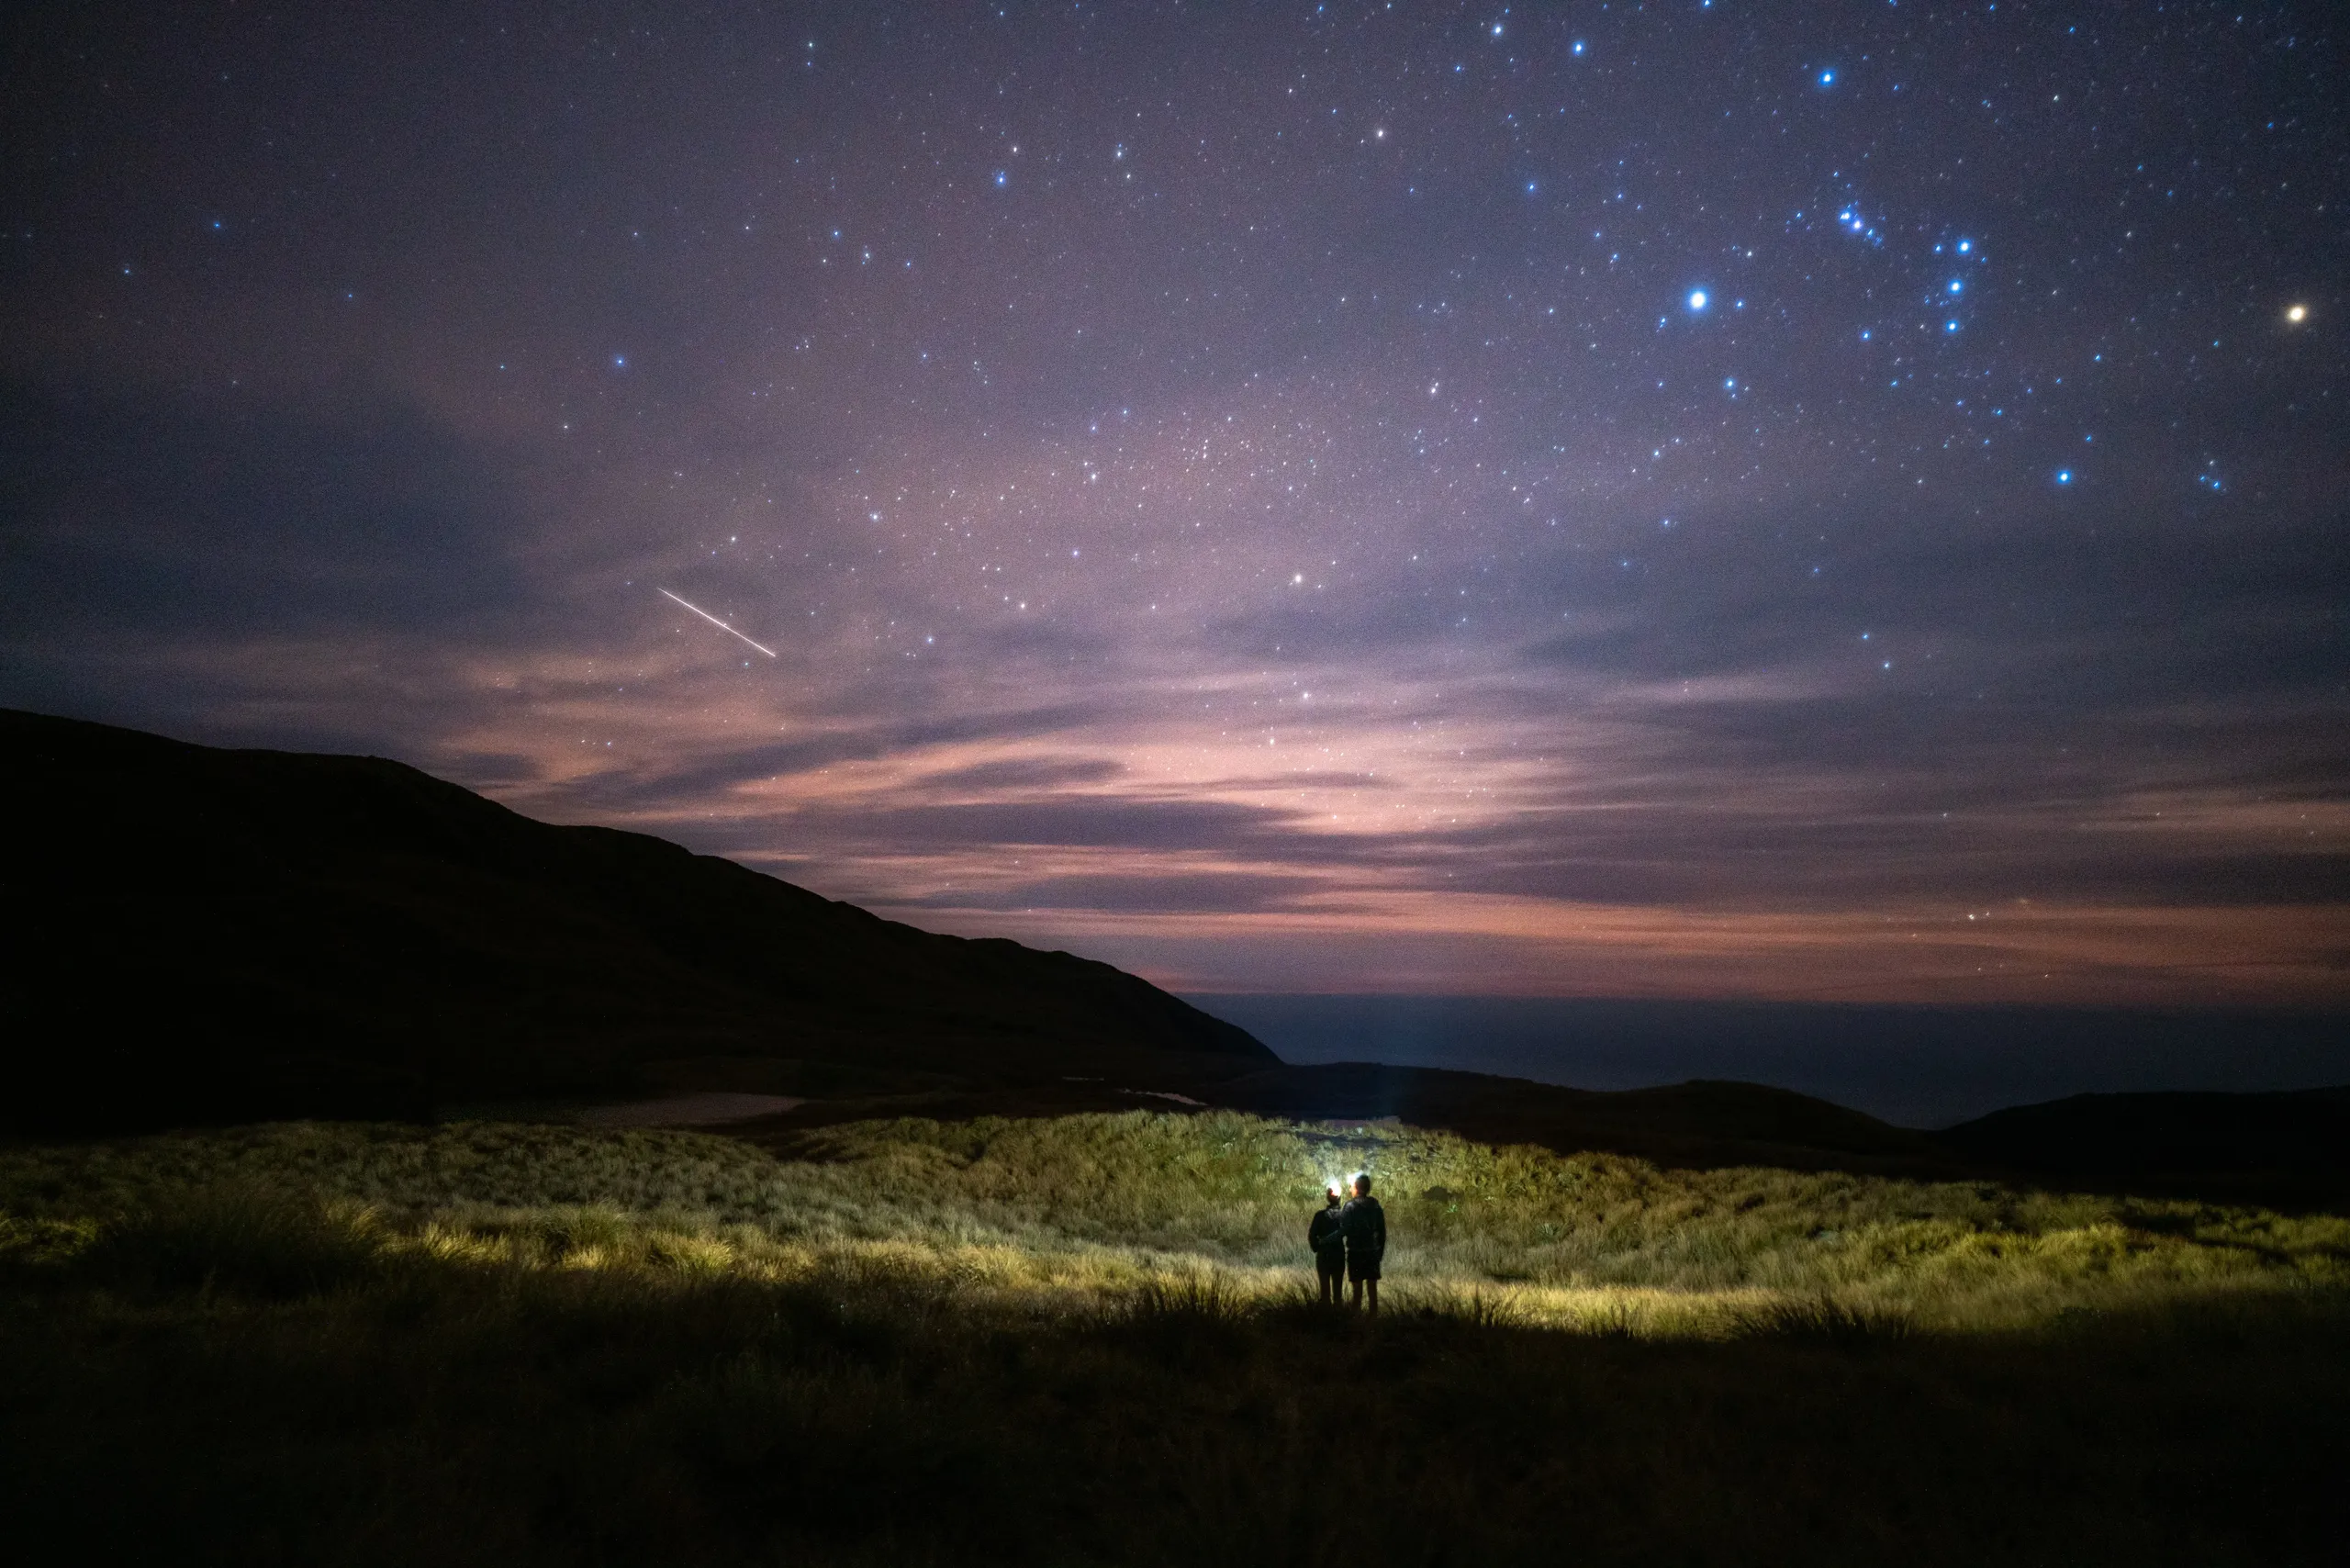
(715, 620)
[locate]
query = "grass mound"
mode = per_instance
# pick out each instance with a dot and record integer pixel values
(245, 1239)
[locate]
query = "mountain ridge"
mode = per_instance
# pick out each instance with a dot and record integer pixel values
(307, 932)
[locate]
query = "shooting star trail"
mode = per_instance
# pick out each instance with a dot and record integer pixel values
(715, 620)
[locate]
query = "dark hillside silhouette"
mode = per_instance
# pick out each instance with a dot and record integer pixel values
(208, 934)
(2291, 1147)
(1704, 1124)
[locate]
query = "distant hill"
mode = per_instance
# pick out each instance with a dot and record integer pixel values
(2284, 1146)
(206, 933)
(1699, 1123)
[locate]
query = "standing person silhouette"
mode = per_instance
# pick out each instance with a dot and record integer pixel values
(1364, 1225)
(1328, 1244)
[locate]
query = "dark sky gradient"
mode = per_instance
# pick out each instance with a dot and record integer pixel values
(1833, 501)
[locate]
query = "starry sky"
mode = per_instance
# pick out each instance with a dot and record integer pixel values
(1842, 501)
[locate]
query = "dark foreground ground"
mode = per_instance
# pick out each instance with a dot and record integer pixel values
(279, 1397)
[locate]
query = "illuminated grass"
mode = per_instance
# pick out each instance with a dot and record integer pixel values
(1074, 1213)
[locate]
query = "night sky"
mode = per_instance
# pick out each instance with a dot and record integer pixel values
(1842, 501)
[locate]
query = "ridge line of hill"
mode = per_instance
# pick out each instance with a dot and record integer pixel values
(257, 929)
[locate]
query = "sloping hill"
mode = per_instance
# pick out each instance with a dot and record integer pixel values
(207, 933)
(1698, 1122)
(1698, 1125)
(2289, 1146)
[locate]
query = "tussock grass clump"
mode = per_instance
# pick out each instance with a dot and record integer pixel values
(1825, 1319)
(244, 1237)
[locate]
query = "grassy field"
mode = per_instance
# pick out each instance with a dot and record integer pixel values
(1086, 1340)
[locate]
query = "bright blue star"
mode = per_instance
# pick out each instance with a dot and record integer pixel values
(1955, 286)
(1950, 326)
(1578, 46)
(1696, 299)
(1964, 246)
(1828, 78)
(619, 362)
(2063, 476)
(1000, 177)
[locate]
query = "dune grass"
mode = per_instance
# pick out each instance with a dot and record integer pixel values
(1086, 1340)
